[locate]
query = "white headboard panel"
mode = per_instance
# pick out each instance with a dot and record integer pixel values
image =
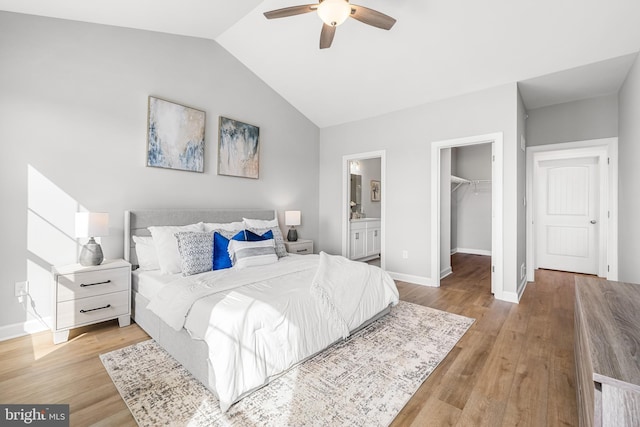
(136, 222)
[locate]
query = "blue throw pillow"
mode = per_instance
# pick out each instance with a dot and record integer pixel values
(253, 237)
(221, 258)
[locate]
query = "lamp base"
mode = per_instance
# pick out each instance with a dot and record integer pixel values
(91, 254)
(292, 235)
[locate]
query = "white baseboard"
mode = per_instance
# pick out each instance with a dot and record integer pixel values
(444, 273)
(418, 280)
(522, 287)
(509, 297)
(24, 328)
(473, 251)
(515, 296)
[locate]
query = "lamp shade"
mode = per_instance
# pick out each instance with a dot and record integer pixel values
(292, 217)
(92, 224)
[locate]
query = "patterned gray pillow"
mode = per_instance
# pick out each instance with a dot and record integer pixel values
(281, 250)
(196, 251)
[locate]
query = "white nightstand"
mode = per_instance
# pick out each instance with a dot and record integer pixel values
(86, 295)
(300, 246)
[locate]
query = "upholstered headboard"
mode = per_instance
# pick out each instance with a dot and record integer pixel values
(136, 222)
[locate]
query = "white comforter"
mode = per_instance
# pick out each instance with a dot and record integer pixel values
(260, 321)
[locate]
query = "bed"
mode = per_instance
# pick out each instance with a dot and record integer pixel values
(235, 329)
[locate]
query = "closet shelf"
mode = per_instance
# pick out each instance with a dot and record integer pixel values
(460, 181)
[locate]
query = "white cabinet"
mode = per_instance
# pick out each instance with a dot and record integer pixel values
(86, 295)
(358, 240)
(364, 239)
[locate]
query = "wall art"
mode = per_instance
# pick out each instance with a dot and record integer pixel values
(238, 149)
(375, 191)
(175, 136)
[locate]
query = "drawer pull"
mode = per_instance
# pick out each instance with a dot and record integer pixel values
(84, 285)
(301, 250)
(94, 309)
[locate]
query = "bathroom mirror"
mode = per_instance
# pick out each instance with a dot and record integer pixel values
(356, 193)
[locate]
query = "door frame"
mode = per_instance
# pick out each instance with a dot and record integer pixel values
(497, 196)
(606, 149)
(346, 198)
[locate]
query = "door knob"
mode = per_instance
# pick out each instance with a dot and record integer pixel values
(593, 221)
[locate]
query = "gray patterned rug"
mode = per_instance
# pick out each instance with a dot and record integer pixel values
(363, 381)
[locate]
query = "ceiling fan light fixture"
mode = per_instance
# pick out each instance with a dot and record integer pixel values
(334, 12)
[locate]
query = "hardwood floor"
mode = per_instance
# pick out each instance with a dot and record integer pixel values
(514, 366)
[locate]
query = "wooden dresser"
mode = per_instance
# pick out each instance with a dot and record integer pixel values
(607, 352)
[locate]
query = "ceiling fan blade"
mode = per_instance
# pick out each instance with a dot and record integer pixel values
(326, 36)
(291, 11)
(372, 17)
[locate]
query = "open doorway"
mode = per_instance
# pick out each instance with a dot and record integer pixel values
(467, 234)
(440, 191)
(364, 207)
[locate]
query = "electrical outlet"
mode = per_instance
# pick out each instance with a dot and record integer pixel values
(405, 254)
(523, 271)
(22, 288)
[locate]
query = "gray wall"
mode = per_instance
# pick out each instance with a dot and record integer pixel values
(445, 211)
(521, 179)
(407, 136)
(573, 121)
(473, 202)
(73, 107)
(629, 177)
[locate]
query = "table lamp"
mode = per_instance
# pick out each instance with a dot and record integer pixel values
(91, 224)
(292, 218)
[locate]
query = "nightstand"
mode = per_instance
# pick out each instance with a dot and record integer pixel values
(300, 246)
(87, 295)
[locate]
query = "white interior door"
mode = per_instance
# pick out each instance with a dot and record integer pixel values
(567, 220)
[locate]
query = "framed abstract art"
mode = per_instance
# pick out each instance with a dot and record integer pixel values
(175, 136)
(238, 149)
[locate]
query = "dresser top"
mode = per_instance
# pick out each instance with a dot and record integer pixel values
(78, 268)
(611, 314)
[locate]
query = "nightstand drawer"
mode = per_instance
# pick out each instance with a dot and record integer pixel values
(91, 283)
(301, 247)
(92, 309)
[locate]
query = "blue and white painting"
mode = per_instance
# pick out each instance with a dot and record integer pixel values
(238, 149)
(175, 137)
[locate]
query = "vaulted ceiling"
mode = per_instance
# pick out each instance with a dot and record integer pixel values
(558, 50)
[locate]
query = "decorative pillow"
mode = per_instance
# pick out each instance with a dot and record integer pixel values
(228, 226)
(146, 253)
(260, 227)
(221, 240)
(167, 245)
(252, 253)
(196, 251)
(253, 237)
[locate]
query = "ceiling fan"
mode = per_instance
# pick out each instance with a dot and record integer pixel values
(334, 13)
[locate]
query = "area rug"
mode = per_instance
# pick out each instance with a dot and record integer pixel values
(362, 381)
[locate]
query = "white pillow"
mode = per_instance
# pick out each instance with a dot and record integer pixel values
(260, 223)
(261, 226)
(167, 245)
(146, 253)
(251, 254)
(229, 226)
